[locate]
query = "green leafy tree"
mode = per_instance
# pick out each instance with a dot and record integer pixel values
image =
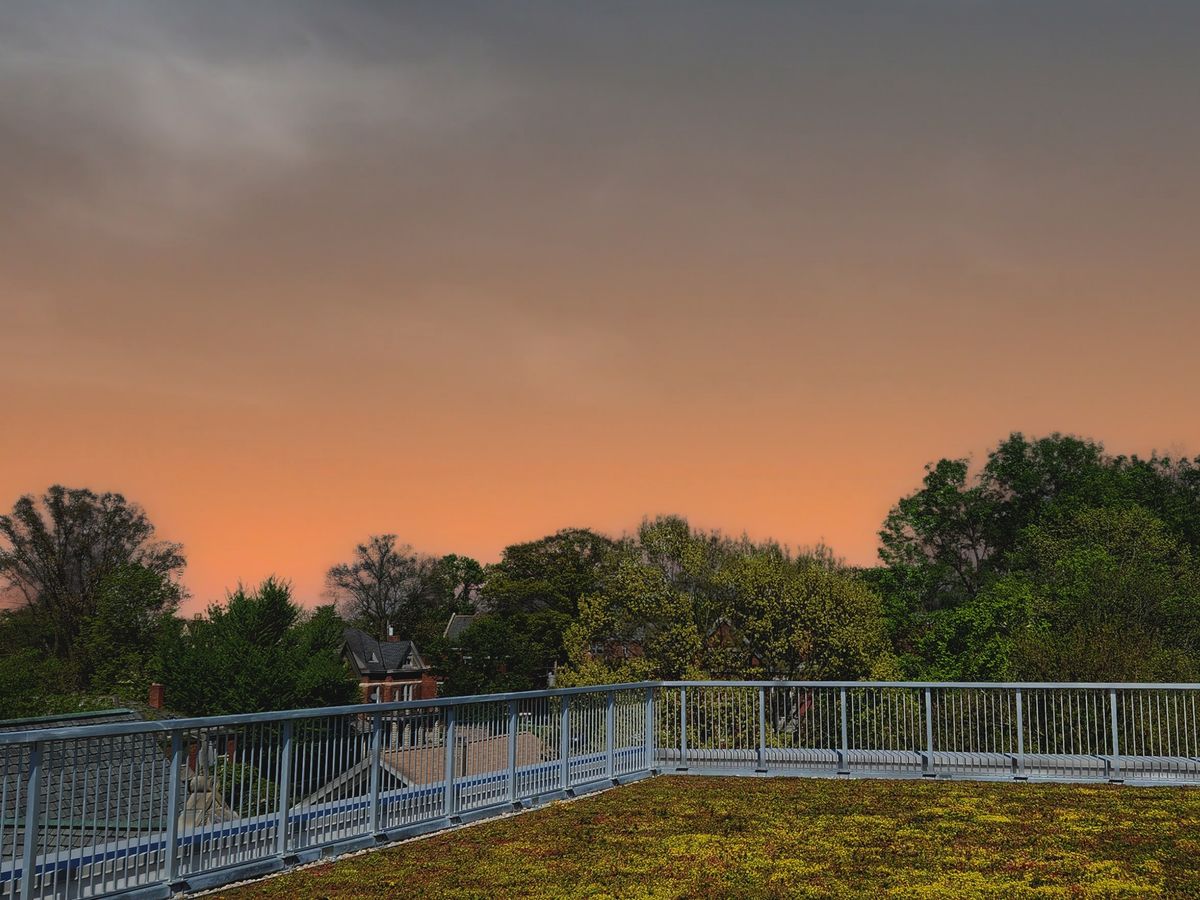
(954, 537)
(499, 653)
(805, 620)
(56, 549)
(551, 573)
(134, 607)
(680, 602)
(637, 620)
(1106, 595)
(254, 653)
(35, 684)
(458, 584)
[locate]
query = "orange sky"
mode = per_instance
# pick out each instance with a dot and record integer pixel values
(288, 279)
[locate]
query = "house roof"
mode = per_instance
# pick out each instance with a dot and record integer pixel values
(458, 624)
(81, 810)
(375, 658)
(476, 753)
(427, 765)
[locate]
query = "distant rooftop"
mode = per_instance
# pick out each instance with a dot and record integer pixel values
(458, 624)
(377, 659)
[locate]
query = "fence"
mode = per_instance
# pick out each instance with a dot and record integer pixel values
(148, 808)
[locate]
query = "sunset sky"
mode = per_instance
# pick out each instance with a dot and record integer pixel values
(291, 274)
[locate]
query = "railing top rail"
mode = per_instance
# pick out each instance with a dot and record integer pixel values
(1008, 685)
(168, 726)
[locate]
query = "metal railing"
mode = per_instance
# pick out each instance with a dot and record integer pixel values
(150, 808)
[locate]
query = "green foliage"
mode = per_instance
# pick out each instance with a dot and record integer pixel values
(552, 573)
(637, 612)
(499, 653)
(255, 653)
(134, 607)
(244, 789)
(681, 603)
(32, 684)
(806, 621)
(1108, 595)
(57, 549)
(956, 553)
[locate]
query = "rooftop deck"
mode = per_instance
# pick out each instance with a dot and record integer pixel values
(776, 837)
(161, 807)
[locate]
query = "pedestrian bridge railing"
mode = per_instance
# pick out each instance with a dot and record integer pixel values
(151, 808)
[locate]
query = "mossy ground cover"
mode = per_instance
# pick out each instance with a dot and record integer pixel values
(744, 837)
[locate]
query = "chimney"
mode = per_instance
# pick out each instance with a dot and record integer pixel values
(427, 689)
(391, 635)
(156, 696)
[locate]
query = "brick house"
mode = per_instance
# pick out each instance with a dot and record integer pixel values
(389, 670)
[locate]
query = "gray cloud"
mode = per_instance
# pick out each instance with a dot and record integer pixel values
(132, 115)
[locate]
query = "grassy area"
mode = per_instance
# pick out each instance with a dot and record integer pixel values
(708, 837)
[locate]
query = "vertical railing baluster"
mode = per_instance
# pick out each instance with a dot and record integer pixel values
(650, 720)
(762, 729)
(929, 772)
(170, 868)
(513, 724)
(285, 789)
(1115, 774)
(844, 753)
(33, 798)
(1020, 735)
(683, 741)
(451, 738)
(564, 741)
(610, 727)
(376, 766)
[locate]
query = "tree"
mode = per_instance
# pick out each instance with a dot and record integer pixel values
(34, 684)
(386, 586)
(392, 586)
(678, 602)
(551, 573)
(256, 653)
(636, 620)
(458, 583)
(496, 654)
(804, 620)
(134, 606)
(1105, 595)
(950, 540)
(55, 550)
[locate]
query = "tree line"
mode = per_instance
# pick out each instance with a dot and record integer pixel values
(1051, 560)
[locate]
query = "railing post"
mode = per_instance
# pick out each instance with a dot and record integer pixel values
(376, 765)
(171, 863)
(650, 719)
(1115, 774)
(610, 734)
(683, 728)
(762, 729)
(564, 749)
(844, 753)
(929, 734)
(451, 737)
(33, 799)
(285, 789)
(1020, 735)
(513, 724)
